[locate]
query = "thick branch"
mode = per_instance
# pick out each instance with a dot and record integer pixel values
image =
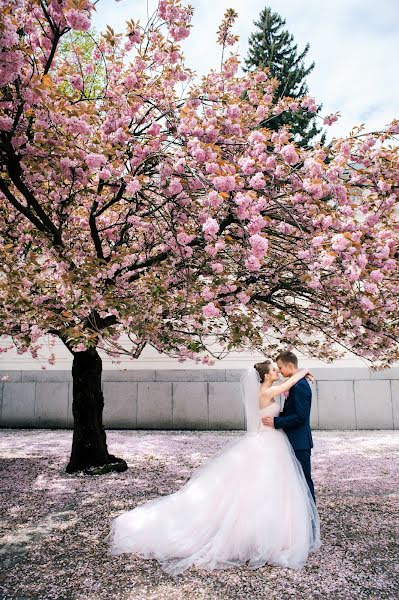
(14, 171)
(20, 207)
(164, 255)
(97, 323)
(94, 231)
(114, 200)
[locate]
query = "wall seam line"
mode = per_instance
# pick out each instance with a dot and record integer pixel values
(354, 403)
(391, 395)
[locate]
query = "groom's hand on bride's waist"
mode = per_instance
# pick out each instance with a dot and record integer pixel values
(268, 421)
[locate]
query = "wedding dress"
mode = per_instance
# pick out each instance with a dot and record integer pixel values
(248, 504)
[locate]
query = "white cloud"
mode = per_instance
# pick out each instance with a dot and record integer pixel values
(354, 43)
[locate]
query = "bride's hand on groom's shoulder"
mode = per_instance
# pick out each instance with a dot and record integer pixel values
(310, 376)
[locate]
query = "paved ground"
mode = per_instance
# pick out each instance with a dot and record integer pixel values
(53, 525)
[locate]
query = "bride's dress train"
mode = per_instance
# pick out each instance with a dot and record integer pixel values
(249, 503)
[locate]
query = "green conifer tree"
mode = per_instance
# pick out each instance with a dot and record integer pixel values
(273, 46)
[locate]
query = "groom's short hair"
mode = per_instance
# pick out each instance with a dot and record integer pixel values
(288, 357)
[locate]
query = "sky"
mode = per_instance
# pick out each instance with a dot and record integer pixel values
(354, 43)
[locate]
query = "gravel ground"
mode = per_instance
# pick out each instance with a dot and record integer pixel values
(53, 525)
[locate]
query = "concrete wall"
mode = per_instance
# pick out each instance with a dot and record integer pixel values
(343, 398)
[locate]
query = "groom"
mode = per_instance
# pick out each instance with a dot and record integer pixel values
(294, 419)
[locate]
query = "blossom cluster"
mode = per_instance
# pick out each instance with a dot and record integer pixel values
(162, 208)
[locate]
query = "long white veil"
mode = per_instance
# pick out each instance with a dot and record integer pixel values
(250, 382)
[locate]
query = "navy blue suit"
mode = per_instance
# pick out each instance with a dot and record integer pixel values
(295, 421)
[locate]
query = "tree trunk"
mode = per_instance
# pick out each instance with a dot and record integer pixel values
(89, 446)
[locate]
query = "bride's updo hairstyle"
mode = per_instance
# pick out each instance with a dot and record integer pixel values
(263, 369)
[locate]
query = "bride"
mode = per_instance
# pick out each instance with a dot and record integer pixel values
(249, 503)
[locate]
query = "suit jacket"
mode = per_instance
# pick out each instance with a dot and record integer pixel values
(295, 417)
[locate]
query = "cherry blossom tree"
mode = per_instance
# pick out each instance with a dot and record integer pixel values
(159, 208)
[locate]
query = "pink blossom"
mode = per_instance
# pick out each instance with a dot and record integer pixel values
(257, 181)
(211, 250)
(67, 163)
(217, 267)
(259, 245)
(131, 80)
(260, 76)
(390, 265)
(310, 104)
(230, 287)
(104, 174)
(210, 310)
(79, 347)
(206, 173)
(184, 238)
(314, 283)
(234, 111)
(179, 33)
(247, 165)
(362, 260)
(243, 200)
(243, 297)
(318, 240)
(376, 276)
(19, 140)
(211, 167)
(366, 303)
(256, 136)
(210, 227)
(252, 263)
(95, 160)
(187, 251)
(289, 154)
(383, 251)
(213, 199)
(226, 183)
(340, 242)
(280, 138)
(371, 288)
(330, 119)
(394, 127)
(262, 112)
(384, 186)
(78, 20)
(133, 186)
(256, 225)
(280, 171)
(326, 260)
(207, 294)
(199, 154)
(270, 163)
(77, 82)
(6, 123)
(326, 222)
(353, 273)
(175, 187)
(154, 128)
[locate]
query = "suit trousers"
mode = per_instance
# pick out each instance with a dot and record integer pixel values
(303, 457)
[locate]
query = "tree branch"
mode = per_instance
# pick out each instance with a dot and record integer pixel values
(14, 170)
(20, 207)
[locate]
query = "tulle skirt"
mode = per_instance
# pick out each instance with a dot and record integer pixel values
(248, 504)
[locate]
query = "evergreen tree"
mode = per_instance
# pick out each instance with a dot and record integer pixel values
(273, 46)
